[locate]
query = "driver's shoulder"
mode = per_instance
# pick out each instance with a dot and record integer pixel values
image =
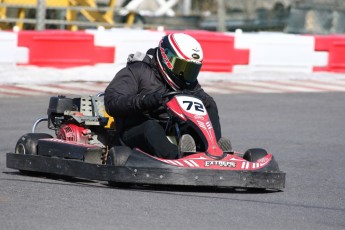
(140, 68)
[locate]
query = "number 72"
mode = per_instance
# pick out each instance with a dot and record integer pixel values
(197, 106)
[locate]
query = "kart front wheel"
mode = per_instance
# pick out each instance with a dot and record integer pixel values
(118, 156)
(252, 155)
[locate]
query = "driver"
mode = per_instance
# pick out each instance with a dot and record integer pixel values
(134, 96)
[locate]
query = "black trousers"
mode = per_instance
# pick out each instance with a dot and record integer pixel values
(150, 137)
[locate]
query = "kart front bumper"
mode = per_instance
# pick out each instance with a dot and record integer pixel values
(145, 175)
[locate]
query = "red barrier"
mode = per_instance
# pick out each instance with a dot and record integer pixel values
(335, 46)
(219, 52)
(63, 49)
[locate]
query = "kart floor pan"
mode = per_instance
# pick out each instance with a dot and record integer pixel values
(153, 176)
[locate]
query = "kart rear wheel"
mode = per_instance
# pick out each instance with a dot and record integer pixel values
(252, 155)
(27, 144)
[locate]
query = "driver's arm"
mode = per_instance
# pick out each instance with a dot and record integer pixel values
(121, 96)
(204, 97)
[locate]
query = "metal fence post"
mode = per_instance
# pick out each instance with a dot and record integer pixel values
(221, 16)
(40, 14)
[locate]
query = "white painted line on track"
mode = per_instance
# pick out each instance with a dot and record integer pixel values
(323, 85)
(217, 87)
(338, 82)
(91, 87)
(10, 94)
(258, 87)
(290, 86)
(19, 91)
(211, 89)
(51, 89)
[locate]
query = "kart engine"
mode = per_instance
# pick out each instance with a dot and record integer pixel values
(72, 132)
(80, 119)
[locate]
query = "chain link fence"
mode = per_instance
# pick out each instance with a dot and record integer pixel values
(291, 16)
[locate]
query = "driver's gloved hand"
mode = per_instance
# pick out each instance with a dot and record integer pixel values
(202, 96)
(151, 101)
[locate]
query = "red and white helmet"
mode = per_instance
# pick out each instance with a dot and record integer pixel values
(179, 58)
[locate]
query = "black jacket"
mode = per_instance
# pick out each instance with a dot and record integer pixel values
(130, 84)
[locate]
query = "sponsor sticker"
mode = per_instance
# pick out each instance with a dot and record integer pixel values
(263, 160)
(228, 164)
(195, 56)
(165, 58)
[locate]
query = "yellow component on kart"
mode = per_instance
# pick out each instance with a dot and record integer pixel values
(111, 121)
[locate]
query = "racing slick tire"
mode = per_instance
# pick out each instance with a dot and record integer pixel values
(27, 144)
(118, 156)
(252, 155)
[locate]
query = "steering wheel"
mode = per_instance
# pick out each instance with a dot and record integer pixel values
(173, 93)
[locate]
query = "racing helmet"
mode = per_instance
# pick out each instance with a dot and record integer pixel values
(179, 59)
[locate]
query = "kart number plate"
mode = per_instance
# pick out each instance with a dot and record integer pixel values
(191, 105)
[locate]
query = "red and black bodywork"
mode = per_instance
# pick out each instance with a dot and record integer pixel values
(87, 146)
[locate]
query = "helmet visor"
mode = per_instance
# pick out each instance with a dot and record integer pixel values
(185, 70)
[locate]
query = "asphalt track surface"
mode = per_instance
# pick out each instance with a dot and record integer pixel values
(305, 132)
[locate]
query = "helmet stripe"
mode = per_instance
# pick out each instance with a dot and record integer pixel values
(167, 78)
(176, 47)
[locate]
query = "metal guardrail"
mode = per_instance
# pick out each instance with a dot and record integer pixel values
(78, 8)
(40, 21)
(297, 18)
(63, 22)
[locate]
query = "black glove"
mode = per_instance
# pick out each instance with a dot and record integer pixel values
(202, 96)
(151, 101)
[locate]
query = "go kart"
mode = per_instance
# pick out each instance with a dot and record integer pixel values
(86, 145)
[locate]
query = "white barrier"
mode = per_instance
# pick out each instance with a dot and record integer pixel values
(10, 53)
(279, 52)
(264, 51)
(126, 41)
